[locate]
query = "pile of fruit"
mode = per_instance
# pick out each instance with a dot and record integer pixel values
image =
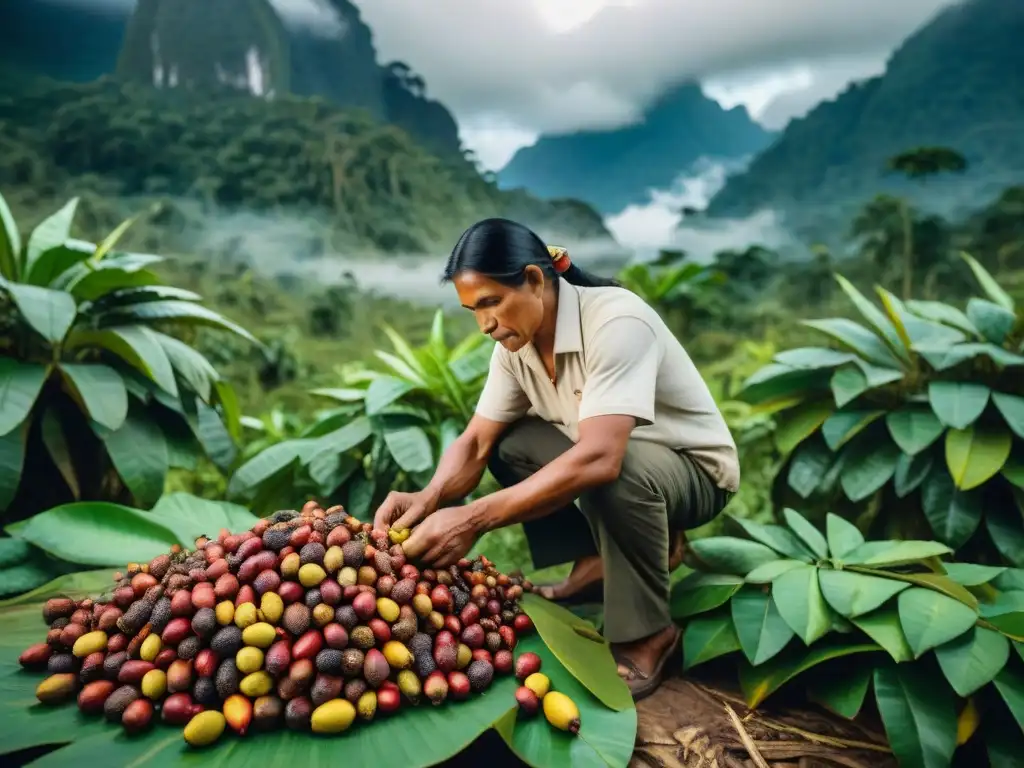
(308, 621)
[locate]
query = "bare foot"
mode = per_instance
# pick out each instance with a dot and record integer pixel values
(589, 570)
(646, 653)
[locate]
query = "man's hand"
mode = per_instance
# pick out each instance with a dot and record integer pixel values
(404, 510)
(443, 538)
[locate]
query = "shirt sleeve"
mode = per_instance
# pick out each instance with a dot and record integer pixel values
(623, 357)
(502, 398)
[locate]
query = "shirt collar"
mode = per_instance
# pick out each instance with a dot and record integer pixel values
(567, 320)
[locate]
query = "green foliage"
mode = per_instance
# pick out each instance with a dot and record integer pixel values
(835, 613)
(385, 433)
(915, 423)
(97, 399)
(671, 285)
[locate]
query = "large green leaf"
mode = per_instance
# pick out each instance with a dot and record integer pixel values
(889, 332)
(385, 390)
(708, 637)
(188, 517)
(191, 365)
(892, 553)
(606, 737)
(1012, 409)
(140, 455)
(50, 313)
(971, 575)
(779, 538)
(809, 536)
(993, 321)
(1006, 531)
(729, 554)
(761, 630)
(49, 233)
(769, 572)
(883, 626)
(930, 619)
(266, 464)
(56, 443)
(800, 422)
(10, 243)
(341, 440)
(869, 465)
(760, 682)
(938, 312)
(913, 429)
(12, 459)
(854, 594)
(843, 536)
(54, 261)
(136, 345)
(20, 384)
(976, 454)
(841, 688)
(843, 426)
(798, 599)
(856, 338)
(89, 281)
(988, 283)
(958, 404)
(973, 659)
(910, 472)
(587, 658)
(954, 515)
(410, 448)
(96, 533)
(1010, 684)
(848, 383)
(184, 312)
(776, 381)
(100, 390)
(809, 464)
(813, 357)
(919, 715)
(700, 592)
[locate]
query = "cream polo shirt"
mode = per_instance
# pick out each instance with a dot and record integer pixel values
(614, 356)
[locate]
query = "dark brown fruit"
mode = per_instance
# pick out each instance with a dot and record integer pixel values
(328, 662)
(354, 689)
(375, 668)
(57, 608)
(189, 647)
(227, 641)
(362, 637)
(297, 713)
(204, 691)
(313, 598)
(61, 663)
(312, 553)
(353, 553)
(352, 662)
(296, 619)
(112, 664)
(492, 640)
(276, 539)
(117, 702)
(161, 615)
(178, 709)
(480, 675)
(136, 616)
(227, 679)
(325, 688)
(267, 713)
(204, 623)
(92, 667)
(346, 616)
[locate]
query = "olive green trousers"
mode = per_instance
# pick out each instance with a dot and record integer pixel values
(629, 522)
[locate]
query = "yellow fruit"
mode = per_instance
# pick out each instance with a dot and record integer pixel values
(245, 615)
(463, 656)
(154, 684)
(539, 683)
(260, 634)
(332, 716)
(397, 655)
(387, 609)
(290, 565)
(57, 688)
(256, 684)
(90, 642)
(422, 605)
(367, 705)
(205, 728)
(271, 606)
(333, 559)
(561, 711)
(225, 611)
(150, 647)
(323, 615)
(398, 535)
(310, 575)
(249, 660)
(348, 576)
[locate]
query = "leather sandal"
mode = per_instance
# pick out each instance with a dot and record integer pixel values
(642, 685)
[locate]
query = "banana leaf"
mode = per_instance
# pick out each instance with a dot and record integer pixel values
(413, 737)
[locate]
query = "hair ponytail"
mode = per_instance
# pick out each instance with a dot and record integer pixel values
(501, 250)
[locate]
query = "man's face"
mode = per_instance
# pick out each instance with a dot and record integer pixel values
(509, 315)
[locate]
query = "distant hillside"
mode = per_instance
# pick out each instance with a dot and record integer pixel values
(958, 82)
(615, 168)
(204, 44)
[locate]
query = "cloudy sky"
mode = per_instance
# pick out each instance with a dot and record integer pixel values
(511, 68)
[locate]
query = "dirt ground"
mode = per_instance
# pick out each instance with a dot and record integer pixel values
(690, 724)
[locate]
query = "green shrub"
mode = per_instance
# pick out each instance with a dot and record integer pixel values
(835, 614)
(97, 399)
(915, 424)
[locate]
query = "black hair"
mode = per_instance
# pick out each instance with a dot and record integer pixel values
(502, 250)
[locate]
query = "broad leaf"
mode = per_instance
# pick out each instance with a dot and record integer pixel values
(809, 463)
(813, 357)
(973, 659)
(976, 454)
(188, 517)
(779, 538)
(385, 390)
(190, 365)
(686, 602)
(136, 345)
(49, 233)
(341, 440)
(729, 554)
(1012, 409)
(843, 536)
(919, 715)
(139, 452)
(988, 283)
(848, 383)
(854, 594)
(930, 619)
(856, 338)
(993, 321)
(869, 466)
(883, 626)
(767, 573)
(1006, 531)
(20, 385)
(10, 243)
(892, 553)
(100, 390)
(882, 325)
(971, 575)
(800, 422)
(843, 426)
(843, 688)
(760, 682)
(183, 312)
(589, 660)
(12, 459)
(708, 637)
(809, 535)
(910, 472)
(53, 262)
(1010, 684)
(954, 515)
(50, 313)
(213, 435)
(60, 452)
(410, 448)
(266, 464)
(957, 404)
(799, 601)
(761, 630)
(913, 429)
(938, 312)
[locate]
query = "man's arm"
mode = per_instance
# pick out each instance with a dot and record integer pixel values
(619, 393)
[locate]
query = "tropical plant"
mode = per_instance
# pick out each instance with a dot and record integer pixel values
(835, 613)
(573, 656)
(670, 284)
(385, 432)
(97, 399)
(921, 410)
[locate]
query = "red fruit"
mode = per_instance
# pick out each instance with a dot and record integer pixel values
(35, 656)
(109, 615)
(482, 654)
(164, 658)
(254, 565)
(278, 658)
(213, 553)
(203, 596)
(123, 597)
(503, 662)
(175, 631)
(452, 624)
(330, 591)
(178, 709)
(423, 588)
(206, 663)
(92, 696)
(260, 528)
(473, 636)
(389, 698)
(526, 665)
(527, 701)
(441, 598)
(348, 594)
(409, 571)
(246, 594)
(226, 586)
(429, 575)
(458, 685)
(181, 603)
(375, 668)
(132, 672)
(381, 630)
(384, 585)
(291, 592)
(508, 636)
(266, 581)
(338, 537)
(231, 543)
(216, 569)
(308, 645)
(137, 715)
(300, 536)
(365, 605)
(335, 635)
(493, 607)
(522, 624)
(119, 642)
(470, 614)
(248, 548)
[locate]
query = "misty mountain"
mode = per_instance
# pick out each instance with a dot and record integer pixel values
(216, 44)
(612, 169)
(957, 82)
